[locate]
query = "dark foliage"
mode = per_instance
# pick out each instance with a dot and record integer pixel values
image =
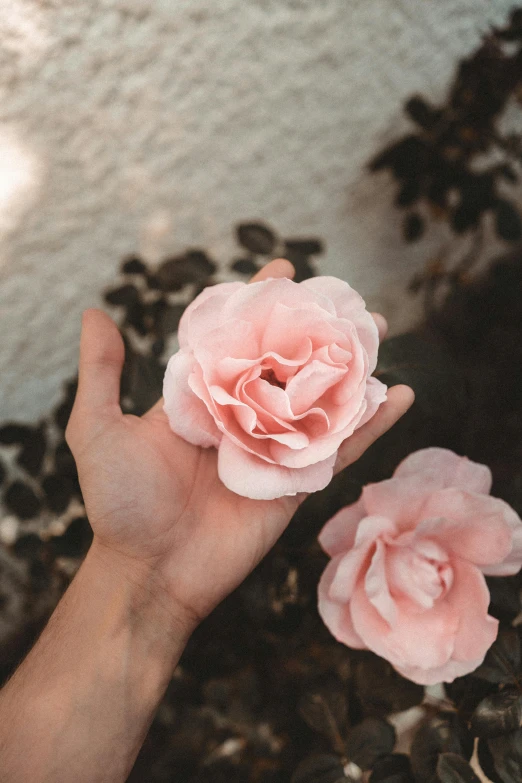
(395, 768)
(452, 768)
(320, 769)
(457, 164)
(506, 752)
(143, 293)
(498, 714)
(58, 491)
(503, 662)
(14, 434)
(256, 237)
(369, 741)
(429, 369)
(381, 689)
(33, 452)
(443, 732)
(21, 500)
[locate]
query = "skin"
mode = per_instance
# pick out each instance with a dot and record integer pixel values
(170, 542)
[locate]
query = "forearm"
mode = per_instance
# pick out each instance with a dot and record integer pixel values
(79, 706)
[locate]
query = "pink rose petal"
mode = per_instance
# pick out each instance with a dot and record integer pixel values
(335, 615)
(401, 499)
(469, 597)
(446, 673)
(270, 399)
(420, 639)
(187, 414)
(376, 586)
(349, 566)
(511, 565)
(310, 383)
(199, 316)
(452, 470)
(338, 535)
(287, 325)
(375, 395)
(252, 477)
(256, 301)
(473, 527)
(349, 304)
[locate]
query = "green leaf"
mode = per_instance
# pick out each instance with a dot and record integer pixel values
(498, 714)
(175, 272)
(504, 592)
(395, 768)
(170, 318)
(486, 761)
(256, 237)
(507, 221)
(370, 740)
(422, 113)
(440, 733)
(413, 227)
(323, 768)
(325, 711)
(503, 661)
(429, 369)
(382, 690)
(142, 381)
(452, 768)
(507, 756)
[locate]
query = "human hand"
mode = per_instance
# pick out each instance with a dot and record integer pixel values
(159, 512)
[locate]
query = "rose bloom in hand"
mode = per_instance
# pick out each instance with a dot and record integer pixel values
(406, 578)
(275, 375)
(159, 512)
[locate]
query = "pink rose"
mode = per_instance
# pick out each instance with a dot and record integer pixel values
(406, 578)
(275, 375)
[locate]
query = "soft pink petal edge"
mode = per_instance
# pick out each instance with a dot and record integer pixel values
(250, 476)
(336, 616)
(447, 673)
(188, 416)
(471, 526)
(454, 471)
(200, 315)
(338, 534)
(350, 305)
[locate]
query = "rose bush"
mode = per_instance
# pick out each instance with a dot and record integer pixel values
(406, 578)
(275, 375)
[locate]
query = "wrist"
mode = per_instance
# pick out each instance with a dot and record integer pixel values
(148, 599)
(82, 701)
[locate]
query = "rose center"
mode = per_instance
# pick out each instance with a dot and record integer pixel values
(270, 377)
(422, 579)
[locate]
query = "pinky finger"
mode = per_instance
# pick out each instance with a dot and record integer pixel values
(400, 398)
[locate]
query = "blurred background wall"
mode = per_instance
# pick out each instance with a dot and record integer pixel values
(153, 125)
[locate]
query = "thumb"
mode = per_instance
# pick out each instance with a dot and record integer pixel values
(101, 361)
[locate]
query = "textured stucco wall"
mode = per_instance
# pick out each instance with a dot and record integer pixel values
(156, 124)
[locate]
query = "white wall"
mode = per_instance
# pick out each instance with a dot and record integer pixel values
(156, 124)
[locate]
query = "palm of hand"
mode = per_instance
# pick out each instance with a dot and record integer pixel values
(159, 499)
(155, 500)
